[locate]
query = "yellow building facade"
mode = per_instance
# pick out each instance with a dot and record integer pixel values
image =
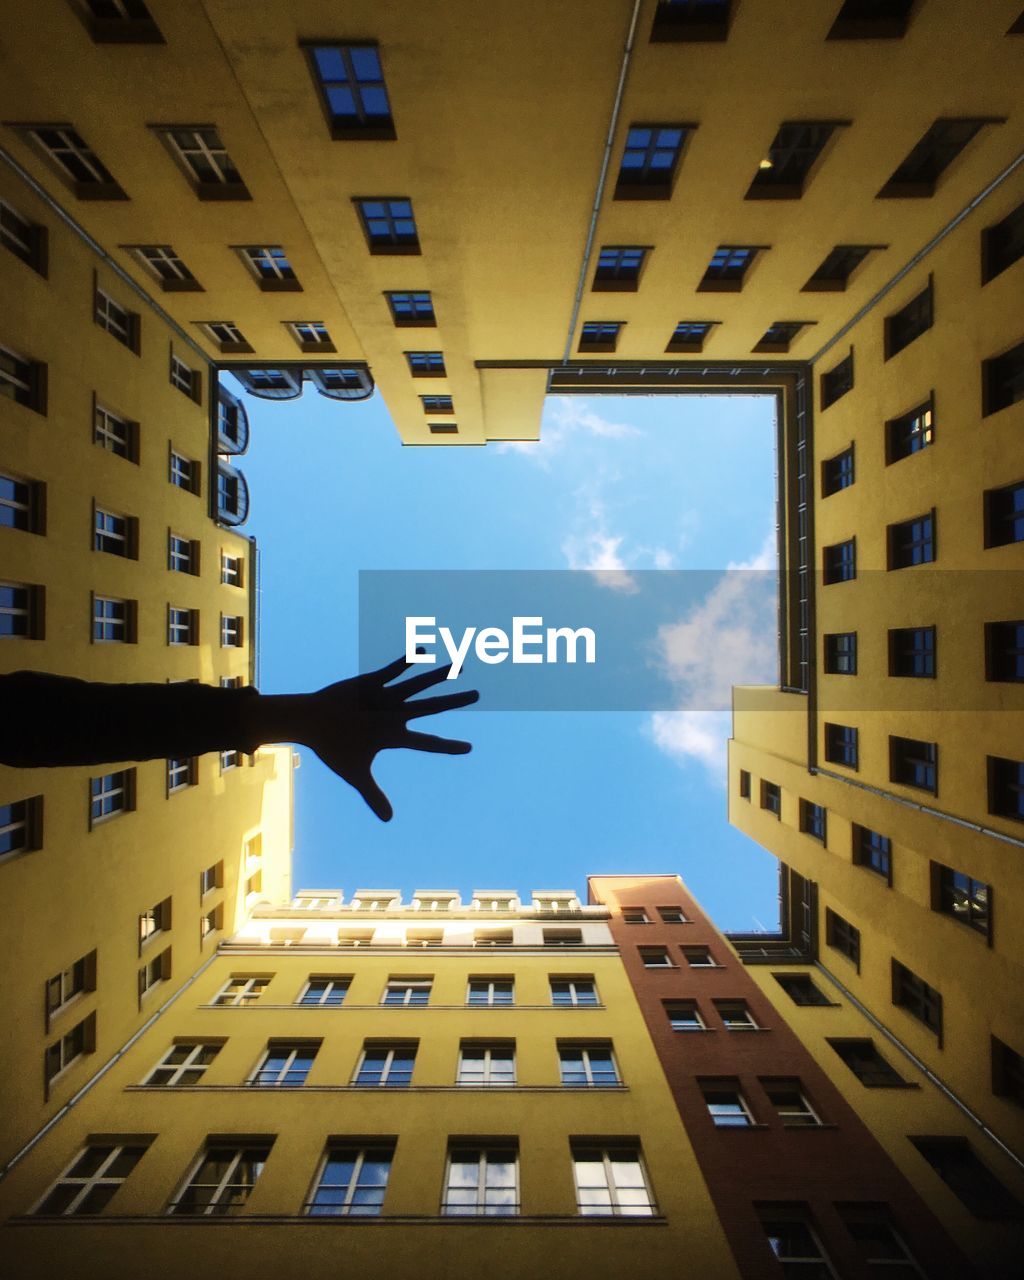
(118, 563)
(445, 1082)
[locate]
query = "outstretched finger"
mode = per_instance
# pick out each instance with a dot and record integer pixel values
(447, 702)
(431, 742)
(392, 670)
(425, 680)
(374, 796)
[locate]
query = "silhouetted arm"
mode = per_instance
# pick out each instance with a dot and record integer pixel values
(47, 721)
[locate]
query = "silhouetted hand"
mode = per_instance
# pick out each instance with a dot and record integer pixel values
(348, 723)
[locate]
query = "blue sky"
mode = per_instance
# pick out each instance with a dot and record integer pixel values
(546, 798)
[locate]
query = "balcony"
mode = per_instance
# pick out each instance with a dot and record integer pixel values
(232, 424)
(285, 382)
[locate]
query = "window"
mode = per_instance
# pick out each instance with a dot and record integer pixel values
(182, 625)
(285, 1064)
(813, 819)
(386, 1065)
(909, 433)
(21, 611)
(500, 938)
(181, 772)
(1004, 651)
(1001, 245)
(917, 175)
(231, 682)
(224, 1178)
(187, 380)
(487, 1064)
(841, 653)
(115, 533)
(700, 957)
(914, 764)
(780, 334)
(153, 972)
(771, 797)
(600, 335)
(183, 472)
(873, 851)
(325, 993)
(591, 1066)
(407, 992)
(843, 936)
(22, 504)
(618, 269)
(685, 20)
(801, 989)
(867, 1064)
(75, 162)
(744, 784)
(182, 554)
(226, 336)
(81, 1039)
(412, 310)
(110, 794)
(183, 1064)
(231, 570)
(837, 473)
(968, 1177)
(727, 269)
(909, 322)
(840, 562)
(671, 915)
(241, 990)
(113, 621)
(161, 261)
(65, 986)
(21, 825)
(437, 404)
(786, 166)
(833, 275)
(25, 239)
(490, 991)
(573, 991)
(684, 1015)
(635, 915)
(270, 266)
(116, 320)
(1002, 379)
(918, 998)
(794, 1242)
(23, 380)
(115, 434)
(230, 631)
(726, 1105)
(204, 160)
(211, 922)
(426, 364)
(837, 381)
(735, 1015)
(91, 1180)
(1004, 515)
(482, 1181)
(879, 1244)
(119, 22)
(352, 1180)
(311, 335)
(352, 91)
(154, 920)
(912, 651)
(871, 20)
(690, 335)
(1007, 1072)
(649, 160)
(1006, 788)
(961, 897)
(790, 1103)
(655, 958)
(610, 1179)
(841, 745)
(389, 225)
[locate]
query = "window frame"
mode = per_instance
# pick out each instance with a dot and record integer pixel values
(375, 1151)
(208, 145)
(612, 1151)
(362, 126)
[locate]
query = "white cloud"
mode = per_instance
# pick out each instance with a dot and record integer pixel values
(729, 638)
(565, 418)
(594, 549)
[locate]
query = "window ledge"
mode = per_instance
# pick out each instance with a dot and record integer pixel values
(249, 1087)
(345, 1220)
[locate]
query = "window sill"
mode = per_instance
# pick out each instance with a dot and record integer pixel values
(250, 1087)
(242, 1219)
